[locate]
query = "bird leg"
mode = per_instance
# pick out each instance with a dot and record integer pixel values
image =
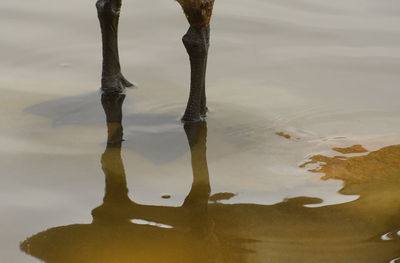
(203, 102)
(108, 13)
(197, 42)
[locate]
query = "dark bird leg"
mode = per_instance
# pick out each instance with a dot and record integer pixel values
(196, 42)
(203, 103)
(108, 12)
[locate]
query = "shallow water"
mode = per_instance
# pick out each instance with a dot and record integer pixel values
(289, 83)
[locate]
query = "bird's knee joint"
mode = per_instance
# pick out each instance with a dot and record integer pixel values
(196, 43)
(101, 5)
(109, 6)
(198, 13)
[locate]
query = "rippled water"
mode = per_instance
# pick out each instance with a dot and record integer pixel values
(291, 86)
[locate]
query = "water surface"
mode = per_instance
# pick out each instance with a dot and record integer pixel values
(289, 83)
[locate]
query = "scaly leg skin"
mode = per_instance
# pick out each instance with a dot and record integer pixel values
(112, 79)
(203, 103)
(196, 43)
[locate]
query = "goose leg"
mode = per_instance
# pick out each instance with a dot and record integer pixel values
(203, 103)
(196, 43)
(108, 12)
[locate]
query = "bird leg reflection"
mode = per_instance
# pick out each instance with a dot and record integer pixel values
(194, 211)
(117, 205)
(283, 232)
(116, 191)
(200, 192)
(197, 199)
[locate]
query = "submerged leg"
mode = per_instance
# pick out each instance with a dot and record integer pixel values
(108, 12)
(196, 43)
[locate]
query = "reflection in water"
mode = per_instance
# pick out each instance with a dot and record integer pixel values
(304, 77)
(124, 231)
(365, 230)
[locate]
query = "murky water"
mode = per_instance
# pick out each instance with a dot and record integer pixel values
(300, 149)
